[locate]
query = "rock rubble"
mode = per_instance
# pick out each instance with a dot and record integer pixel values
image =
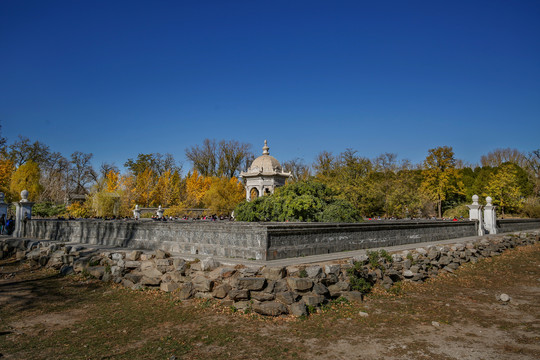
(266, 290)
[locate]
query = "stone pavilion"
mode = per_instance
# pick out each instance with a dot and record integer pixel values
(264, 175)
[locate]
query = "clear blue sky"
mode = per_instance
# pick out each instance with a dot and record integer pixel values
(118, 78)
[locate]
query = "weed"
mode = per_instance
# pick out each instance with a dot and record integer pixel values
(206, 303)
(303, 273)
(385, 255)
(340, 300)
(410, 257)
(94, 262)
(107, 268)
(360, 284)
(85, 273)
(311, 309)
(396, 289)
(233, 309)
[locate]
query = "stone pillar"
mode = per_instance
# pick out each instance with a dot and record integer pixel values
(159, 212)
(475, 213)
(136, 213)
(23, 213)
(490, 218)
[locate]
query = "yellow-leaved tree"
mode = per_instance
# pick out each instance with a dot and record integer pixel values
(26, 177)
(167, 189)
(6, 171)
(223, 195)
(440, 176)
(503, 187)
(144, 186)
(112, 180)
(196, 188)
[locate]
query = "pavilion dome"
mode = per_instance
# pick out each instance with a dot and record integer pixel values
(265, 163)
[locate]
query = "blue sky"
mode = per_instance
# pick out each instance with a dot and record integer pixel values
(118, 78)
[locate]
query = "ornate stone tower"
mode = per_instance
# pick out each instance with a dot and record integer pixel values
(264, 175)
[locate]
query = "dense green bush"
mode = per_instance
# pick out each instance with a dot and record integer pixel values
(457, 212)
(302, 201)
(48, 209)
(531, 208)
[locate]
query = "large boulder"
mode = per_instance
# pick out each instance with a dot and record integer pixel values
(221, 291)
(273, 273)
(270, 308)
(200, 283)
(251, 283)
(209, 264)
(299, 284)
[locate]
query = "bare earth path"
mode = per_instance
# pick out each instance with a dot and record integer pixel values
(455, 316)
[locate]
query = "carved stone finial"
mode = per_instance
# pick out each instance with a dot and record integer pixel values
(24, 196)
(266, 148)
(475, 199)
(489, 200)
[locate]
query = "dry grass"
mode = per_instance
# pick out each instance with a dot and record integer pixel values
(43, 316)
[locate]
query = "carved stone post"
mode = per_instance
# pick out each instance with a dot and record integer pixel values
(159, 212)
(490, 217)
(137, 213)
(23, 213)
(475, 213)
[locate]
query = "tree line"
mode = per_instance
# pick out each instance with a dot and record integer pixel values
(383, 186)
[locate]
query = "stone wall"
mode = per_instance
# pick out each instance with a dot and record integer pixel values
(260, 241)
(295, 240)
(296, 290)
(511, 225)
(234, 240)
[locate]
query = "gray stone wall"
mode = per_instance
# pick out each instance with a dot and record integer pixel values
(511, 225)
(234, 240)
(295, 240)
(260, 241)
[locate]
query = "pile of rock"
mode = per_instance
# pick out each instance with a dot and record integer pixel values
(266, 290)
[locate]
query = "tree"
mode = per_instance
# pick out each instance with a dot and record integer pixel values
(498, 157)
(504, 189)
(324, 165)
(196, 188)
(156, 162)
(144, 186)
(441, 177)
(298, 169)
(167, 189)
(22, 151)
(232, 155)
(224, 195)
(533, 168)
(82, 172)
(26, 177)
(6, 171)
(54, 178)
(223, 159)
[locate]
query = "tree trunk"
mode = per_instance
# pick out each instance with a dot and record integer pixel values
(439, 205)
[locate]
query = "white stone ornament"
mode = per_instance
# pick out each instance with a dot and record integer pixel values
(24, 196)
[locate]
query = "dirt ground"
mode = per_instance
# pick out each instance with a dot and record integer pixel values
(454, 316)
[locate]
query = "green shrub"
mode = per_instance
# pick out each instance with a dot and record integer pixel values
(531, 208)
(360, 284)
(307, 201)
(457, 212)
(48, 209)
